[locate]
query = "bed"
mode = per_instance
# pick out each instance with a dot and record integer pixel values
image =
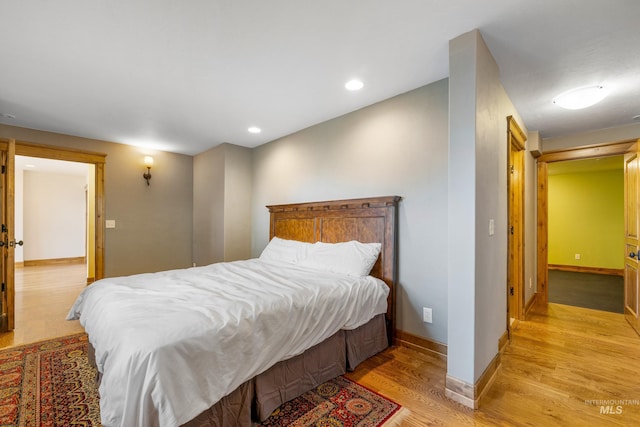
(162, 362)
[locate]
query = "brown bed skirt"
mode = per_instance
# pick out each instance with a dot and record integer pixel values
(257, 398)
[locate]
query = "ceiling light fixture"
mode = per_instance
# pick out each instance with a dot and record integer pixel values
(7, 116)
(354, 84)
(582, 97)
(254, 129)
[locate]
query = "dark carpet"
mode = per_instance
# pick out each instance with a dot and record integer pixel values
(588, 290)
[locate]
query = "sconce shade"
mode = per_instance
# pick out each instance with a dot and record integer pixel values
(148, 162)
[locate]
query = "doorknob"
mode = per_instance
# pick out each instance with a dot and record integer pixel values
(633, 255)
(11, 244)
(16, 243)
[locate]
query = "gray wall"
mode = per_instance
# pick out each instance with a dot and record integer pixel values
(395, 147)
(208, 206)
(154, 223)
(237, 206)
(222, 204)
(477, 193)
(462, 205)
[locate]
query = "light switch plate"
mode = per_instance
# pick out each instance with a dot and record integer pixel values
(110, 223)
(427, 315)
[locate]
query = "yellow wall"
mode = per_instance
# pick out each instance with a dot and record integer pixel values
(586, 217)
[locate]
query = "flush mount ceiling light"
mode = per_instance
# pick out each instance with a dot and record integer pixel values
(354, 84)
(7, 116)
(254, 129)
(581, 97)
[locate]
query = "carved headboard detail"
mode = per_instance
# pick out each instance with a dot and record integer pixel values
(369, 220)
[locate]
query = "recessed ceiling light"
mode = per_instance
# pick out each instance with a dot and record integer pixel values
(354, 84)
(7, 116)
(254, 129)
(582, 97)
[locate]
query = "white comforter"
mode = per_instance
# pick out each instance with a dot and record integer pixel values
(173, 343)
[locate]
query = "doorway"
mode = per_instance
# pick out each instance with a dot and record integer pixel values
(54, 205)
(544, 161)
(11, 148)
(586, 233)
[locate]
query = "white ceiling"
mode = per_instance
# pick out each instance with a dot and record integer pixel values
(36, 164)
(184, 76)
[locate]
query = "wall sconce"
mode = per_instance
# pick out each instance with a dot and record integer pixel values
(148, 162)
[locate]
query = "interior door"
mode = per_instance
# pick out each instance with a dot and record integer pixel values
(632, 223)
(7, 238)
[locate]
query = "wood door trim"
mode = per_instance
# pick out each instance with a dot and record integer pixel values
(9, 219)
(590, 152)
(30, 149)
(542, 276)
(577, 153)
(516, 139)
(519, 138)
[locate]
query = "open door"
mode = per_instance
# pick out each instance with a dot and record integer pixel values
(7, 238)
(631, 229)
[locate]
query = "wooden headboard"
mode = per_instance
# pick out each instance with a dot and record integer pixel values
(370, 220)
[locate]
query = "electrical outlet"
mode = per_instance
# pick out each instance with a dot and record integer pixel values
(578, 256)
(110, 223)
(427, 315)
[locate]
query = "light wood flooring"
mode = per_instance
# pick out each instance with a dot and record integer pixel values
(558, 364)
(44, 295)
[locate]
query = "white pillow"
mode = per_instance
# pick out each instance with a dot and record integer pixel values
(282, 250)
(352, 258)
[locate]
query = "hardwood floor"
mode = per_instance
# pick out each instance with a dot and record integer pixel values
(44, 295)
(559, 366)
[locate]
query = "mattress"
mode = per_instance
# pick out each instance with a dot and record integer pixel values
(169, 345)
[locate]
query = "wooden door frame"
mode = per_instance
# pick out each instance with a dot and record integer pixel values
(631, 240)
(577, 153)
(30, 149)
(516, 140)
(7, 218)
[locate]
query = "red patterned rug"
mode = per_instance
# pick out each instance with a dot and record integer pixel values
(51, 383)
(338, 402)
(48, 383)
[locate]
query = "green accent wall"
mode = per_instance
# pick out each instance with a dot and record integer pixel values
(586, 217)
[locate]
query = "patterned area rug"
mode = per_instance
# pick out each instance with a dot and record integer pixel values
(51, 383)
(338, 402)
